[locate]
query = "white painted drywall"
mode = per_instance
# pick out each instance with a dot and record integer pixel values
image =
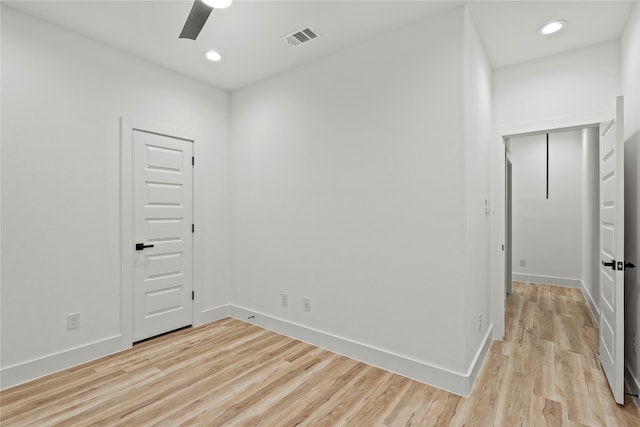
(62, 98)
(580, 82)
(547, 233)
(348, 187)
(338, 193)
(630, 75)
(590, 216)
(477, 144)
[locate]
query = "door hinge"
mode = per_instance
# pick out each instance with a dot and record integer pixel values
(193, 228)
(193, 295)
(193, 161)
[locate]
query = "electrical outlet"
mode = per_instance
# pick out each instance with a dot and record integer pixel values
(73, 321)
(306, 304)
(480, 322)
(284, 299)
(523, 263)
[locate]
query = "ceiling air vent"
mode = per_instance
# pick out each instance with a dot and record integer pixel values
(301, 36)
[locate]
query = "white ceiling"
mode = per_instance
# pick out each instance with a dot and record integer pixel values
(249, 33)
(508, 29)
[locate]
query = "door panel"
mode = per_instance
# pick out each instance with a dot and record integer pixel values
(162, 198)
(612, 250)
(509, 224)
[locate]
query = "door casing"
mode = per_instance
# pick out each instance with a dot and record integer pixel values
(498, 222)
(127, 126)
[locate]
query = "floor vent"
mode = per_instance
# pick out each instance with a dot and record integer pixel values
(301, 36)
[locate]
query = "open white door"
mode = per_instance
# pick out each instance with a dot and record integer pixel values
(508, 263)
(612, 251)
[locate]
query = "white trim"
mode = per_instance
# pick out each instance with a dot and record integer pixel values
(547, 280)
(127, 125)
(595, 310)
(198, 246)
(33, 369)
(498, 290)
(446, 379)
(209, 315)
(126, 229)
(456, 382)
(633, 383)
(570, 122)
(478, 360)
(45, 365)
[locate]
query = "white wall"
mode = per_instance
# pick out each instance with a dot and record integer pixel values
(349, 187)
(630, 75)
(62, 98)
(547, 233)
(337, 195)
(477, 144)
(590, 217)
(582, 82)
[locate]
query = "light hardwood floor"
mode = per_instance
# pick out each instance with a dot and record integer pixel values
(232, 373)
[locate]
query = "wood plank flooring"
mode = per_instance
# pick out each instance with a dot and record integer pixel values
(230, 373)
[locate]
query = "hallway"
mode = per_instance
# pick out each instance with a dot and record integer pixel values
(546, 371)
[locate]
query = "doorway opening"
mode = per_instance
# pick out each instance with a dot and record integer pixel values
(607, 303)
(551, 209)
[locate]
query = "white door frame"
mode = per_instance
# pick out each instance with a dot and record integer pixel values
(498, 277)
(127, 126)
(508, 244)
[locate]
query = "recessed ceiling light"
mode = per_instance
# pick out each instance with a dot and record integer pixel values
(214, 56)
(218, 4)
(552, 27)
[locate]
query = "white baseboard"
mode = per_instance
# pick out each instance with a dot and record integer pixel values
(42, 366)
(633, 383)
(37, 368)
(209, 315)
(595, 310)
(460, 383)
(455, 382)
(478, 360)
(547, 280)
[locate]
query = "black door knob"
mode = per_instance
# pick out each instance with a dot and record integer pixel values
(141, 246)
(611, 264)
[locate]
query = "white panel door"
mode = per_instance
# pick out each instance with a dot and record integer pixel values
(162, 209)
(612, 252)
